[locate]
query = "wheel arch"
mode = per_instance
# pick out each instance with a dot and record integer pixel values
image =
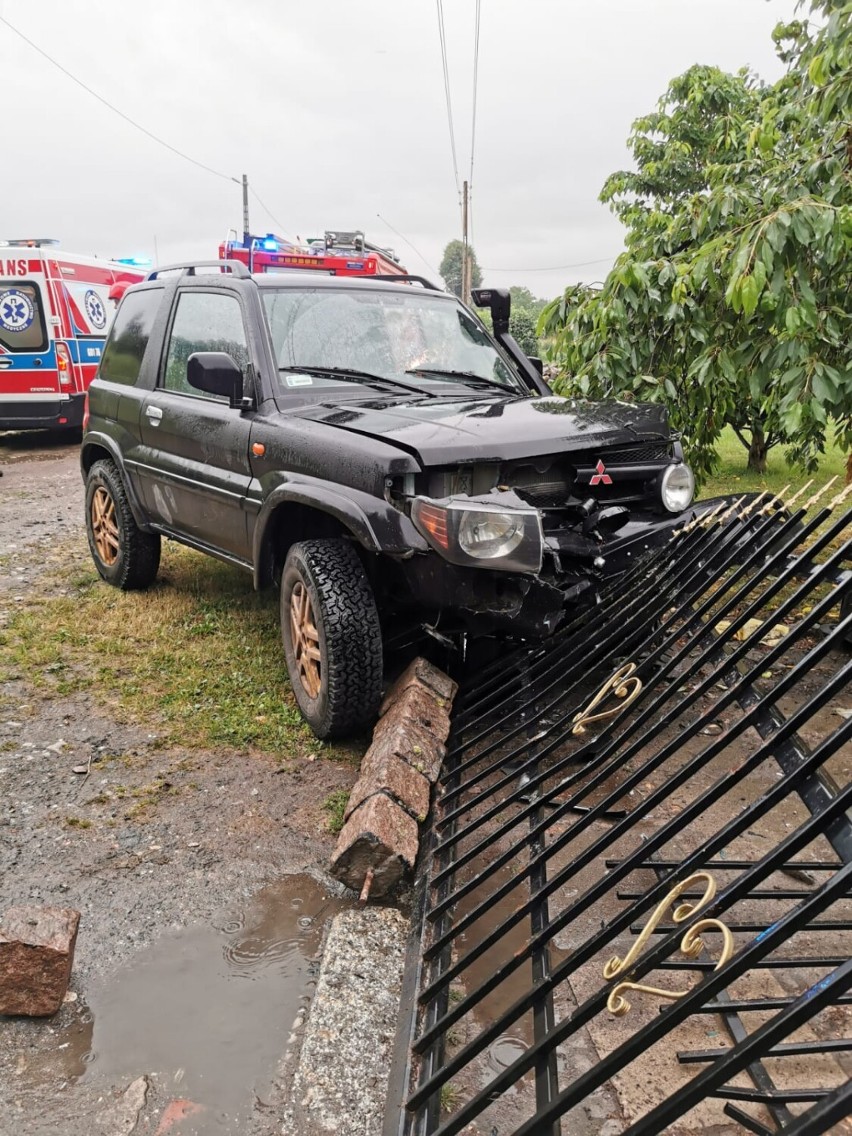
(98, 447)
(296, 512)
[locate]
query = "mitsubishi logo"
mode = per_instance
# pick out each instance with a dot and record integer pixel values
(600, 476)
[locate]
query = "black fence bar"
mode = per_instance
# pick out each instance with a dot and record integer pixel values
(758, 871)
(830, 1111)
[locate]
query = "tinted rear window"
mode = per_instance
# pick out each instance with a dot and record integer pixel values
(128, 337)
(21, 317)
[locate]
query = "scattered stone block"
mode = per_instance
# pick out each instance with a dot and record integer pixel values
(381, 837)
(36, 956)
(383, 772)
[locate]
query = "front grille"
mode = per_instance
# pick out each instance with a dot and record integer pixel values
(641, 453)
(544, 490)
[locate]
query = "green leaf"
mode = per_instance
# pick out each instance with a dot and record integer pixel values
(749, 294)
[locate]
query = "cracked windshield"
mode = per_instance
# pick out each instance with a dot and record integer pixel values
(417, 339)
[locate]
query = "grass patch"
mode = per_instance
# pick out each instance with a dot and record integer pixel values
(450, 1097)
(198, 656)
(78, 822)
(335, 806)
(731, 475)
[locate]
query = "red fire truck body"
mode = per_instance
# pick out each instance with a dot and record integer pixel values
(338, 254)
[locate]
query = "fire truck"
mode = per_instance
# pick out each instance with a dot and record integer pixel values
(55, 312)
(336, 254)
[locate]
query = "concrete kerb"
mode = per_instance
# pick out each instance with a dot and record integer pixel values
(341, 1082)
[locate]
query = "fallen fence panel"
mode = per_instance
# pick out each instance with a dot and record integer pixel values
(636, 903)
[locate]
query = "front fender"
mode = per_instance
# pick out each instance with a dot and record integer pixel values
(375, 524)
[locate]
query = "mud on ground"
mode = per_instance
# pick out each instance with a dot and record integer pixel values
(150, 841)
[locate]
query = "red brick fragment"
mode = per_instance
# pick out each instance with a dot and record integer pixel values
(36, 956)
(176, 1111)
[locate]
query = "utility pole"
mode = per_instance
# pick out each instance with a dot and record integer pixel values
(246, 230)
(465, 252)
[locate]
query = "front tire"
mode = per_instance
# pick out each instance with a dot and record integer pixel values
(124, 556)
(332, 637)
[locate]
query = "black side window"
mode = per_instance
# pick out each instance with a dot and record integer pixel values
(204, 321)
(129, 336)
(21, 319)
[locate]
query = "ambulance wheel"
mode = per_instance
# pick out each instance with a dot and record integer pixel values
(125, 556)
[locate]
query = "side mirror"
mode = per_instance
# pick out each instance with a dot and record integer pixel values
(215, 372)
(500, 303)
(537, 363)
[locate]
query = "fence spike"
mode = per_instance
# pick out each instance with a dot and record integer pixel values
(809, 504)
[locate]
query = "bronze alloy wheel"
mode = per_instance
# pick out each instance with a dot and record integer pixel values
(305, 637)
(104, 525)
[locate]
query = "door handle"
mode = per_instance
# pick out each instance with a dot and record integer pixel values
(154, 415)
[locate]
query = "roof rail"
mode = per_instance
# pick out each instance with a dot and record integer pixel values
(236, 268)
(404, 278)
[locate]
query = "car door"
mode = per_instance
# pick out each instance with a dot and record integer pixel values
(196, 468)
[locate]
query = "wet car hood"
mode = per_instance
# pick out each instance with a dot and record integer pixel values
(441, 431)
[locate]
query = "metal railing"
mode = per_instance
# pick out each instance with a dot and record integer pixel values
(608, 875)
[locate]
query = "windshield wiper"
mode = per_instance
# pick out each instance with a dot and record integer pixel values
(470, 378)
(365, 378)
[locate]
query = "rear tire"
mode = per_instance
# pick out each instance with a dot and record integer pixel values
(332, 637)
(124, 555)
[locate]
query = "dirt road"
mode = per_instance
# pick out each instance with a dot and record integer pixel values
(202, 915)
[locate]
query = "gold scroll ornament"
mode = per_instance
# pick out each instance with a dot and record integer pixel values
(624, 684)
(691, 944)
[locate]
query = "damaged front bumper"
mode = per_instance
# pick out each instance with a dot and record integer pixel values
(533, 606)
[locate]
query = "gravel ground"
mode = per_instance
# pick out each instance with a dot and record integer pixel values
(225, 825)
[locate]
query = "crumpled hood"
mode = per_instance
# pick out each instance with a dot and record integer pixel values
(441, 432)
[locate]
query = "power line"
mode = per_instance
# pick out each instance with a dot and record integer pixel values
(410, 245)
(442, 35)
(106, 103)
(266, 209)
(475, 81)
(555, 267)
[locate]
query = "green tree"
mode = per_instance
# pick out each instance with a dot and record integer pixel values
(730, 301)
(523, 298)
(522, 325)
(451, 267)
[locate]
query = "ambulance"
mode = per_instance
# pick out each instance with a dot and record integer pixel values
(55, 312)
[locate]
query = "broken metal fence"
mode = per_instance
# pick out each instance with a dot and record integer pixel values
(641, 844)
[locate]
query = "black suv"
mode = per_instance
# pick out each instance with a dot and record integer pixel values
(399, 470)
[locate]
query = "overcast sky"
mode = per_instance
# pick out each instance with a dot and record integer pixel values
(336, 111)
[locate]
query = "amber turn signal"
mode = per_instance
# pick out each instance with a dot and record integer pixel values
(434, 520)
(258, 449)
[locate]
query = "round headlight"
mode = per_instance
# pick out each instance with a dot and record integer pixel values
(489, 535)
(677, 487)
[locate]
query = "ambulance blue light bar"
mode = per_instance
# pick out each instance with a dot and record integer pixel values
(141, 261)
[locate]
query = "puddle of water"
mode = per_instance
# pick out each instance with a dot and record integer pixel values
(505, 1050)
(207, 1011)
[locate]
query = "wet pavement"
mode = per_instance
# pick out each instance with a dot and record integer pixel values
(203, 921)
